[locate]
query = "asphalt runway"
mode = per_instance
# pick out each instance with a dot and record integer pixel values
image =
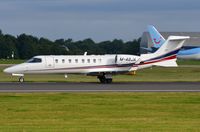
(97, 87)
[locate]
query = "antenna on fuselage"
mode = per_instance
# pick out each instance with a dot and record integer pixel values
(85, 53)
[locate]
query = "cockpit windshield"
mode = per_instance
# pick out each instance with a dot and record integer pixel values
(34, 60)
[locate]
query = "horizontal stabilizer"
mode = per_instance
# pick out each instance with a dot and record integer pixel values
(173, 38)
(147, 49)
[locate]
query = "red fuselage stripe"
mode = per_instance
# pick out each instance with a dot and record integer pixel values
(163, 59)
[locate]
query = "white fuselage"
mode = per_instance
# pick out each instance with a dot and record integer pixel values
(77, 64)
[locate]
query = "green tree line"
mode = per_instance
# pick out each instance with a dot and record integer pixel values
(26, 46)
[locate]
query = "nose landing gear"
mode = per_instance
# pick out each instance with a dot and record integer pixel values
(21, 79)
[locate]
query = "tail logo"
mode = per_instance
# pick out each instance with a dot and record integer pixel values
(157, 41)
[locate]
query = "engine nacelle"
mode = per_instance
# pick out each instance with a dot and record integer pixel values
(126, 59)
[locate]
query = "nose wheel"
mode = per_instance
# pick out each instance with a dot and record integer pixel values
(21, 79)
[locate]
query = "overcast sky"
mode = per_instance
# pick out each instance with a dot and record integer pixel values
(97, 19)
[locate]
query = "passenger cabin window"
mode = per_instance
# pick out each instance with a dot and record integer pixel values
(88, 60)
(76, 60)
(63, 60)
(56, 60)
(35, 60)
(99, 60)
(83, 60)
(70, 61)
(94, 60)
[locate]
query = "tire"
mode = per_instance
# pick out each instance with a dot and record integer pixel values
(103, 80)
(21, 79)
(108, 80)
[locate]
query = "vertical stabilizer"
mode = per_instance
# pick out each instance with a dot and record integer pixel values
(166, 54)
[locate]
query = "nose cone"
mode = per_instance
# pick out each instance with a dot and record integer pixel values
(15, 69)
(9, 70)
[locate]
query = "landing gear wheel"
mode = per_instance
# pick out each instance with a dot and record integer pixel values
(104, 80)
(21, 79)
(109, 80)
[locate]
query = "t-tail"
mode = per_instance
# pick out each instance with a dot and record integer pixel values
(166, 55)
(157, 39)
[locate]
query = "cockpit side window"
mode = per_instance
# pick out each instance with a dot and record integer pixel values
(35, 60)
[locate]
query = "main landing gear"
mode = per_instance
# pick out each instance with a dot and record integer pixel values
(106, 78)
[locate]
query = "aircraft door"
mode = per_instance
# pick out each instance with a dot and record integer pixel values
(49, 62)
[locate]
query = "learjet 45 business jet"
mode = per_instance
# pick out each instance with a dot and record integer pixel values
(102, 66)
